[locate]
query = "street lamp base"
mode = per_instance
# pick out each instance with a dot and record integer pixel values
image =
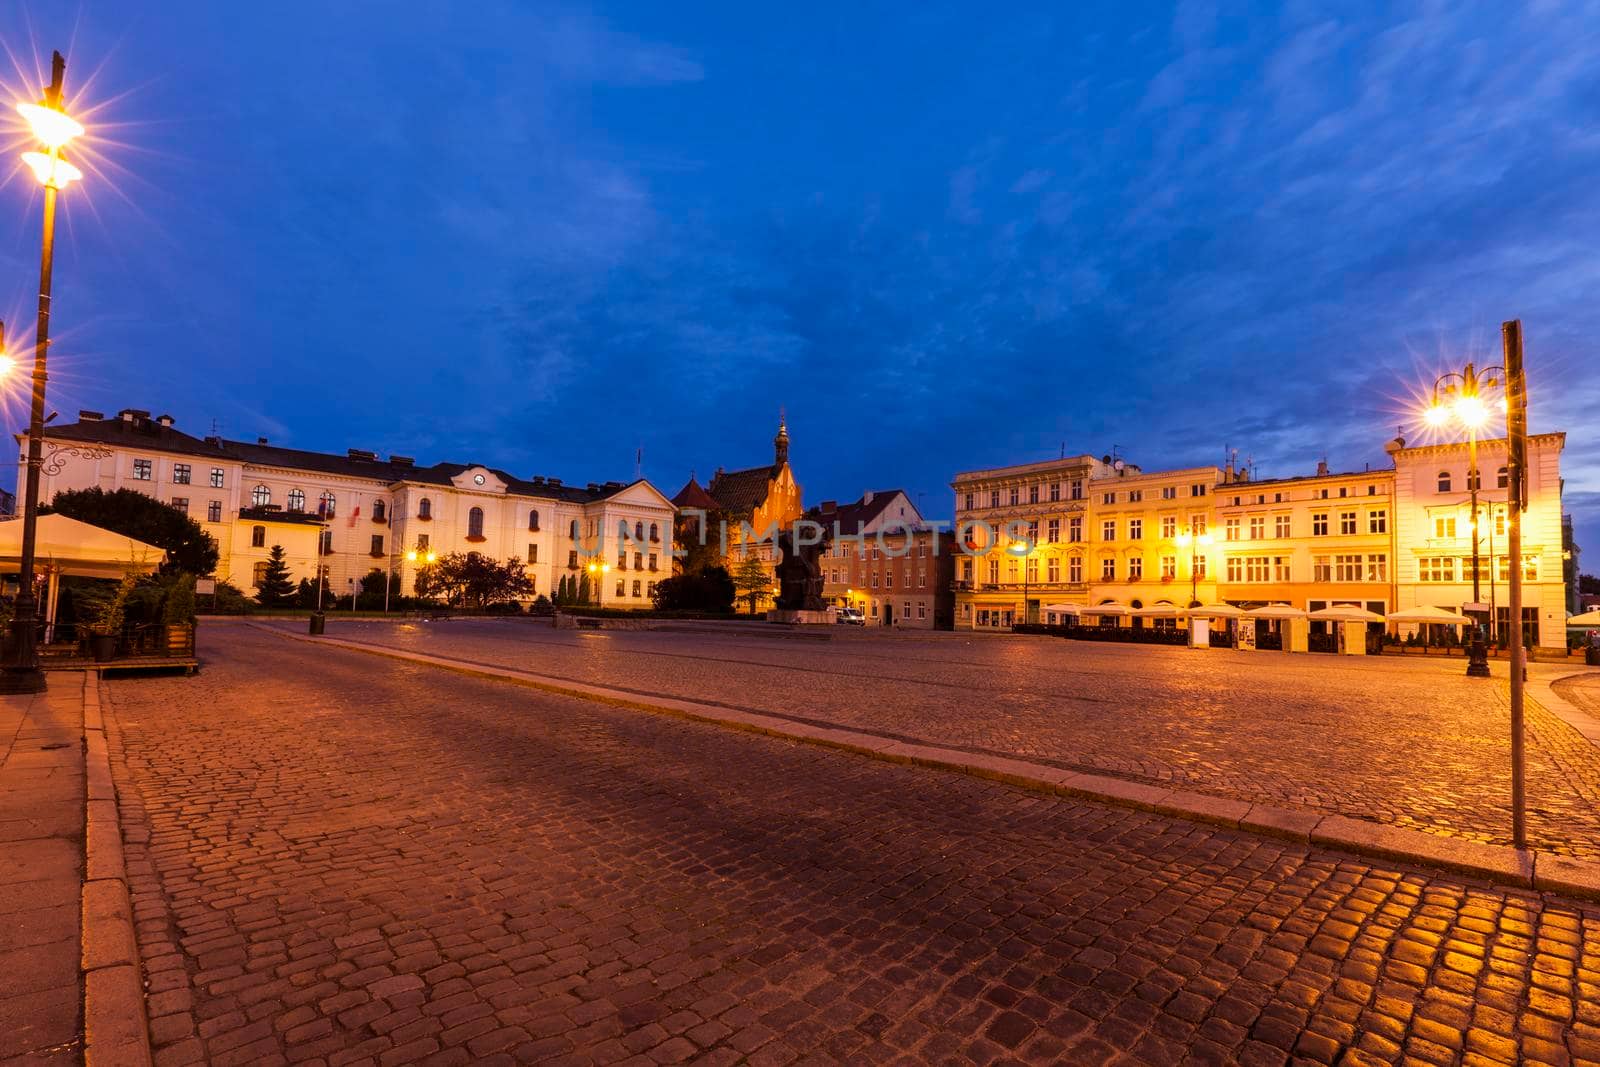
(1478, 660)
(15, 680)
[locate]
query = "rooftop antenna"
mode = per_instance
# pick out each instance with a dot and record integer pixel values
(1063, 450)
(638, 460)
(216, 427)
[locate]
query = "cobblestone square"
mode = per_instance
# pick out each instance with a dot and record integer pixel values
(343, 859)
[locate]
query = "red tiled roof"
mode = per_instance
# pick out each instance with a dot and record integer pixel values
(693, 496)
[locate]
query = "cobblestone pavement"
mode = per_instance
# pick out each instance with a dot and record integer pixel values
(355, 861)
(1583, 692)
(1406, 741)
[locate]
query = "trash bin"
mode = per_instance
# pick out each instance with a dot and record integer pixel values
(318, 622)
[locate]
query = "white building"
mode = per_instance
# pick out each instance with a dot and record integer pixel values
(360, 513)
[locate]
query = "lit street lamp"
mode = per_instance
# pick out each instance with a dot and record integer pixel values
(599, 568)
(1188, 538)
(1461, 396)
(53, 128)
(1021, 549)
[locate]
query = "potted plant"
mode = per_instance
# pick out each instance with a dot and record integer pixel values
(177, 616)
(106, 630)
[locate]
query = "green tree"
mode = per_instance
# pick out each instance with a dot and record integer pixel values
(143, 518)
(708, 590)
(751, 580)
(472, 579)
(274, 590)
(1588, 583)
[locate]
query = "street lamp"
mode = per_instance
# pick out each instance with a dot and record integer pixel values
(599, 568)
(1459, 398)
(1021, 549)
(53, 128)
(1191, 540)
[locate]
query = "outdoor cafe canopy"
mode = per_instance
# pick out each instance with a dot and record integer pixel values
(66, 546)
(1215, 611)
(1345, 613)
(1429, 614)
(1159, 611)
(1588, 618)
(1275, 611)
(1063, 609)
(1112, 610)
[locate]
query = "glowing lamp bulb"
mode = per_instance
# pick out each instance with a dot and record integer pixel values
(52, 171)
(52, 126)
(1436, 415)
(1184, 539)
(1472, 412)
(411, 557)
(7, 365)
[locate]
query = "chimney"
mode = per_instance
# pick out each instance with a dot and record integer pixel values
(362, 454)
(554, 483)
(1322, 468)
(402, 461)
(165, 420)
(90, 416)
(261, 440)
(866, 498)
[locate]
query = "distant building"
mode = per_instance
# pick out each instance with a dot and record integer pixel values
(354, 513)
(886, 561)
(8, 503)
(1569, 563)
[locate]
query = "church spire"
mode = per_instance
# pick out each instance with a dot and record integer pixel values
(780, 443)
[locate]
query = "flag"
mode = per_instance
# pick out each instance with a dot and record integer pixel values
(355, 513)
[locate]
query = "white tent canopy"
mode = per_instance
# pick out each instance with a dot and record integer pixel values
(1112, 610)
(1215, 611)
(1063, 609)
(1588, 618)
(1345, 613)
(1429, 614)
(1158, 611)
(67, 546)
(1275, 611)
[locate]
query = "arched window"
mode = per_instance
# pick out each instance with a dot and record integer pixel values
(258, 537)
(1444, 481)
(1502, 478)
(326, 505)
(622, 530)
(533, 519)
(260, 496)
(638, 531)
(1474, 480)
(475, 523)
(297, 500)
(424, 508)
(574, 533)
(379, 513)
(655, 532)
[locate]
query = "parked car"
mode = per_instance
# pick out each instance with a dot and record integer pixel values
(849, 616)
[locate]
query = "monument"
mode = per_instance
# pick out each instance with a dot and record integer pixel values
(799, 583)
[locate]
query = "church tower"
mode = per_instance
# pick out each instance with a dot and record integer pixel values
(780, 443)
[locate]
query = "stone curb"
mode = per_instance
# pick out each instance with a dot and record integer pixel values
(114, 1027)
(1542, 692)
(1500, 864)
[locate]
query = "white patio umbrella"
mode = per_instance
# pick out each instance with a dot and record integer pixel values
(1063, 609)
(1588, 618)
(1215, 611)
(1345, 613)
(1430, 614)
(1116, 610)
(1275, 611)
(1158, 611)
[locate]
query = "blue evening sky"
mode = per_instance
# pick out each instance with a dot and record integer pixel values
(941, 236)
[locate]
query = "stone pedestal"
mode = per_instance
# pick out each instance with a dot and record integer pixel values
(786, 617)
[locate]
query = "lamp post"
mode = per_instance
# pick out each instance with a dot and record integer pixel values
(1192, 541)
(1022, 549)
(1459, 397)
(53, 128)
(599, 568)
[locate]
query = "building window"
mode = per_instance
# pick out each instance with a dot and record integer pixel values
(297, 500)
(1075, 570)
(1378, 567)
(1108, 498)
(967, 499)
(1135, 495)
(258, 537)
(1502, 479)
(1347, 522)
(326, 504)
(1011, 496)
(1444, 526)
(259, 573)
(260, 496)
(377, 544)
(1077, 489)
(1169, 527)
(655, 535)
(1198, 489)
(1033, 494)
(572, 530)
(1169, 568)
(1346, 568)
(217, 478)
(1200, 568)
(1444, 481)
(1258, 527)
(475, 523)
(1055, 491)
(1053, 530)
(1230, 529)
(180, 473)
(994, 573)
(1474, 480)
(1075, 528)
(1108, 530)
(1322, 568)
(1235, 569)
(1377, 522)
(1052, 569)
(653, 561)
(181, 503)
(141, 470)
(214, 511)
(1135, 529)
(1436, 569)
(1319, 524)
(379, 512)
(327, 542)
(572, 559)
(1108, 569)
(424, 508)
(1280, 527)
(1255, 568)
(533, 520)
(422, 542)
(622, 587)
(638, 587)
(1169, 492)
(1280, 568)
(994, 498)
(1033, 571)
(533, 552)
(1135, 568)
